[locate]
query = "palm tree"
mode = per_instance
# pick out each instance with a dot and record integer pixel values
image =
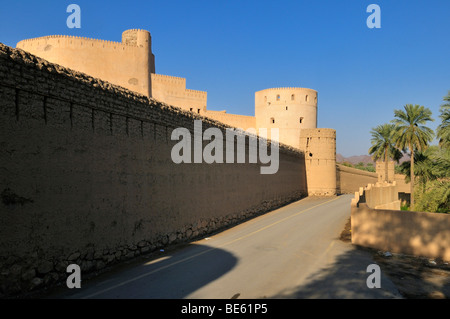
(383, 145)
(432, 169)
(424, 166)
(411, 133)
(443, 130)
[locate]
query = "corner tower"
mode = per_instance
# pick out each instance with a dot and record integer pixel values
(128, 63)
(319, 147)
(288, 109)
(141, 39)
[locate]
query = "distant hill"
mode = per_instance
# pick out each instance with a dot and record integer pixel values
(354, 159)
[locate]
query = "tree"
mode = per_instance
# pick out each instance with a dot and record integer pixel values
(383, 146)
(443, 130)
(432, 171)
(411, 133)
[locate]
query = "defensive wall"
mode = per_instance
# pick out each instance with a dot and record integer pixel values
(377, 222)
(131, 64)
(241, 121)
(172, 90)
(349, 179)
(87, 175)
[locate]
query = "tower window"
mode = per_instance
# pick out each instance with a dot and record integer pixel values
(278, 97)
(306, 98)
(301, 120)
(198, 111)
(286, 108)
(292, 97)
(272, 120)
(191, 109)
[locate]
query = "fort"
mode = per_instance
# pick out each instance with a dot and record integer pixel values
(131, 64)
(87, 176)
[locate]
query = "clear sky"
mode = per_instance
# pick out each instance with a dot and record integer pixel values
(231, 49)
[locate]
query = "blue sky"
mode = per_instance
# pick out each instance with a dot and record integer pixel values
(232, 49)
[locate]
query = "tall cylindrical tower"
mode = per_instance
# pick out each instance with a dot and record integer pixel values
(319, 146)
(288, 109)
(137, 37)
(142, 39)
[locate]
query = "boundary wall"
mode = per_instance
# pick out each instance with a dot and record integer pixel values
(405, 232)
(87, 175)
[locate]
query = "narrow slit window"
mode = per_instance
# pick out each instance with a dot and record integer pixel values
(292, 97)
(301, 120)
(272, 120)
(307, 98)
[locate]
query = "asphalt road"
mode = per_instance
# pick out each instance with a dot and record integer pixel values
(292, 252)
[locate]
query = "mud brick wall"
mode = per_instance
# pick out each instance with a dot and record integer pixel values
(86, 176)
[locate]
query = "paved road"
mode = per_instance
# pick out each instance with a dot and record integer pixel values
(292, 252)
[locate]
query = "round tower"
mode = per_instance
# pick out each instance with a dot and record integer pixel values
(128, 63)
(319, 147)
(136, 37)
(141, 39)
(288, 109)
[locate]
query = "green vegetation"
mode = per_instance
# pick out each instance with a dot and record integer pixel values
(443, 130)
(411, 133)
(432, 169)
(365, 167)
(428, 171)
(383, 145)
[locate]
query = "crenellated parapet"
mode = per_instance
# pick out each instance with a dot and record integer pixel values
(132, 58)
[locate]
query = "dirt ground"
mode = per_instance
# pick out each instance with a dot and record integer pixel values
(415, 277)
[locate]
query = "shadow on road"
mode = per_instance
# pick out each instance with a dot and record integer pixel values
(345, 278)
(170, 275)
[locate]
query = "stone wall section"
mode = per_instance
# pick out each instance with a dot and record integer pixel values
(87, 176)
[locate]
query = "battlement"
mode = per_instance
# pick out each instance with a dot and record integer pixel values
(319, 132)
(137, 30)
(162, 78)
(285, 89)
(100, 42)
(67, 37)
(196, 92)
(132, 58)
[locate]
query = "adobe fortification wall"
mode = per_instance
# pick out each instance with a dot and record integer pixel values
(87, 175)
(349, 179)
(241, 121)
(172, 90)
(378, 222)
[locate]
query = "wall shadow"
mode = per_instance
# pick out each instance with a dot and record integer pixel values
(343, 279)
(169, 275)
